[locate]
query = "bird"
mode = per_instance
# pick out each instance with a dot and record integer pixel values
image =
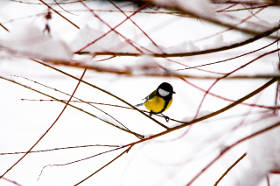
(159, 100)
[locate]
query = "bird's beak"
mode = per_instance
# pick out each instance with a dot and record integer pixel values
(173, 92)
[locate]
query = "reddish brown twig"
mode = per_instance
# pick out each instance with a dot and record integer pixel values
(277, 124)
(227, 171)
(45, 133)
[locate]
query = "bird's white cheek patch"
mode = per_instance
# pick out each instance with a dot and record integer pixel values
(163, 93)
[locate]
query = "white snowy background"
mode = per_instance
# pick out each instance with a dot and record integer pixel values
(171, 159)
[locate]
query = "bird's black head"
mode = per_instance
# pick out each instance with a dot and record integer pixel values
(165, 89)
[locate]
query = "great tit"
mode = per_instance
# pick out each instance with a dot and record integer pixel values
(160, 99)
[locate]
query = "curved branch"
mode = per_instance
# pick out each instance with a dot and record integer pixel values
(185, 124)
(194, 53)
(48, 129)
(208, 19)
(73, 106)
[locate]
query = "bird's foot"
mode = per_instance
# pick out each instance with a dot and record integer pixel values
(166, 118)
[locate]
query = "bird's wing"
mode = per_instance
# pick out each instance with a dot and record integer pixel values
(153, 94)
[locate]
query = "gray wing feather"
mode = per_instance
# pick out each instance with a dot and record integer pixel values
(153, 94)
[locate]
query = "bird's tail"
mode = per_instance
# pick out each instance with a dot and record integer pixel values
(138, 105)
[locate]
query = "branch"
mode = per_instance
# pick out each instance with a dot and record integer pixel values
(208, 19)
(195, 121)
(73, 106)
(5, 28)
(58, 148)
(107, 164)
(11, 181)
(82, 101)
(65, 18)
(102, 90)
(227, 171)
(277, 124)
(45, 133)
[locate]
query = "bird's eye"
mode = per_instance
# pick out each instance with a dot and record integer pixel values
(163, 93)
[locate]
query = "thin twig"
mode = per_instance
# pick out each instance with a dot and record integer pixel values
(58, 149)
(65, 18)
(107, 164)
(258, 90)
(267, 180)
(73, 106)
(5, 28)
(11, 181)
(227, 171)
(277, 124)
(102, 90)
(111, 29)
(45, 133)
(185, 124)
(79, 160)
(231, 58)
(80, 100)
(228, 74)
(209, 19)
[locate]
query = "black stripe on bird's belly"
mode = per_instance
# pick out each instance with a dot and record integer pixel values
(167, 99)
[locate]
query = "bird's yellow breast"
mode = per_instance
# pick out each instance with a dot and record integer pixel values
(157, 104)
